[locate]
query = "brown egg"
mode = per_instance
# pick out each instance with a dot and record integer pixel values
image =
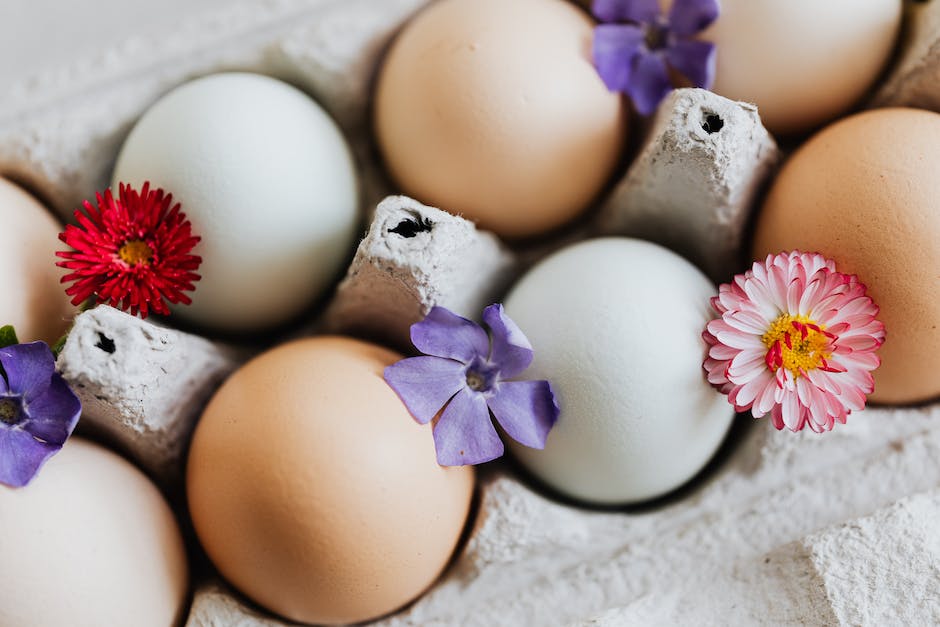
(315, 492)
(493, 109)
(31, 297)
(865, 192)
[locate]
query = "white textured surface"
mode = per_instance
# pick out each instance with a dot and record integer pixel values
(693, 185)
(141, 385)
(883, 569)
(542, 565)
(781, 532)
(395, 280)
(880, 569)
(66, 27)
(60, 130)
(915, 81)
(786, 529)
(214, 605)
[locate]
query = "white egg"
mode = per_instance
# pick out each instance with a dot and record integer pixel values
(90, 542)
(269, 183)
(616, 326)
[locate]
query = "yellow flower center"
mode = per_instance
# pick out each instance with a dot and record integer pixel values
(796, 343)
(135, 252)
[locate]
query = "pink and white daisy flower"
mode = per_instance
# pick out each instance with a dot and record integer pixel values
(795, 339)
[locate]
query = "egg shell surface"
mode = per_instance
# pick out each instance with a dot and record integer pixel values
(616, 325)
(269, 184)
(315, 492)
(90, 542)
(493, 110)
(802, 62)
(865, 193)
(31, 297)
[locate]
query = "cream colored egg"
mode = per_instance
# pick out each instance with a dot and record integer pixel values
(315, 492)
(493, 109)
(803, 62)
(31, 297)
(90, 543)
(616, 325)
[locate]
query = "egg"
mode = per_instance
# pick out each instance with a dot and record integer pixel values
(31, 298)
(803, 62)
(315, 492)
(270, 185)
(865, 193)
(90, 542)
(616, 325)
(493, 110)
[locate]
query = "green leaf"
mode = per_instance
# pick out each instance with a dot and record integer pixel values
(8, 336)
(59, 345)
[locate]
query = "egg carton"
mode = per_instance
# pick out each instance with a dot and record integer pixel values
(780, 528)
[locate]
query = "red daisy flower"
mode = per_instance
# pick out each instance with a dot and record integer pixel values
(132, 252)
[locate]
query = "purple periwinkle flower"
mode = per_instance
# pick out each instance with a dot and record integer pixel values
(468, 374)
(636, 46)
(38, 411)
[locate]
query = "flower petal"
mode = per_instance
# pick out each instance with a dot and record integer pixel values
(743, 396)
(511, 351)
(53, 414)
(425, 384)
(649, 83)
(615, 49)
(775, 418)
(730, 336)
(746, 365)
(861, 343)
(696, 60)
(465, 434)
(526, 410)
(758, 292)
(443, 333)
(717, 372)
(815, 289)
(722, 352)
(21, 457)
(689, 17)
(747, 321)
(29, 368)
(765, 399)
(794, 291)
(643, 11)
(792, 412)
(824, 381)
(105, 229)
